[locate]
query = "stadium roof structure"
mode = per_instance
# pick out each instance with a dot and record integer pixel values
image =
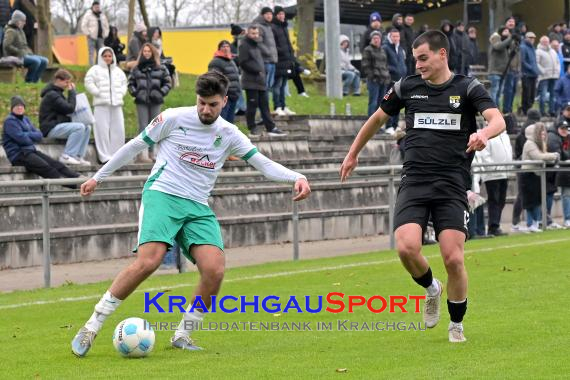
(357, 12)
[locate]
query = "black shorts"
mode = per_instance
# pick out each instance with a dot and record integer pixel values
(445, 202)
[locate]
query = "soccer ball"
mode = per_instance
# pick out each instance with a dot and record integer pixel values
(133, 338)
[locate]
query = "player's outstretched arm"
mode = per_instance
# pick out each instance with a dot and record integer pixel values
(368, 130)
(279, 173)
(495, 126)
(119, 159)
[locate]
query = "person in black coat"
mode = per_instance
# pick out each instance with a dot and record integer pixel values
(253, 82)
(19, 137)
(114, 43)
(285, 66)
(558, 141)
(149, 83)
(396, 58)
(374, 25)
(460, 53)
(408, 40)
(224, 63)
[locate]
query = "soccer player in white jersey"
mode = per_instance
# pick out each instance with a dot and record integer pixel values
(193, 144)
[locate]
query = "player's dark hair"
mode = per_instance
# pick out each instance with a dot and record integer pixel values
(435, 39)
(212, 83)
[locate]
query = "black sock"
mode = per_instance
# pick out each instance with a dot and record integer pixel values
(457, 310)
(425, 280)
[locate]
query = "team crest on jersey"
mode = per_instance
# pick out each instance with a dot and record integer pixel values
(455, 101)
(218, 141)
(390, 91)
(199, 160)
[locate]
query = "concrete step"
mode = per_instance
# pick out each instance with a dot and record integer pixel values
(100, 242)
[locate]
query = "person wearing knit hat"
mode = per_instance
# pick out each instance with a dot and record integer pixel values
(18, 139)
(277, 9)
(265, 10)
(95, 26)
(15, 44)
(267, 46)
(374, 25)
(236, 30)
(137, 40)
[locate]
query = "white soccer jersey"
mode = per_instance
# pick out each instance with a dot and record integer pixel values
(191, 154)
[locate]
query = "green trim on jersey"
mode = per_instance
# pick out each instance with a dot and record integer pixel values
(168, 218)
(154, 177)
(249, 154)
(147, 139)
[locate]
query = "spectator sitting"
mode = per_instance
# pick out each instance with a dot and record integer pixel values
(224, 63)
(108, 85)
(534, 149)
(114, 43)
(349, 74)
(95, 26)
(18, 138)
(55, 122)
(15, 44)
(138, 38)
(375, 67)
(374, 25)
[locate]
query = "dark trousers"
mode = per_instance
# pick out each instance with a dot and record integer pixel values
(229, 111)
(258, 99)
(518, 206)
(528, 93)
(298, 83)
(44, 166)
(476, 225)
(496, 197)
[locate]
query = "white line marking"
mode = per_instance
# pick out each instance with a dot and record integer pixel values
(281, 274)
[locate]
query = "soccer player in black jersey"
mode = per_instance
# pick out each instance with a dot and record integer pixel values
(441, 139)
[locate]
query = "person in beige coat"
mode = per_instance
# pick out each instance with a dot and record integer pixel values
(534, 149)
(549, 66)
(95, 26)
(108, 85)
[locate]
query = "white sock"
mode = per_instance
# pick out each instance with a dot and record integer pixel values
(433, 289)
(458, 325)
(189, 323)
(105, 307)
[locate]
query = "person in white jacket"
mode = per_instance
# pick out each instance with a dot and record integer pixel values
(549, 65)
(108, 85)
(95, 26)
(497, 151)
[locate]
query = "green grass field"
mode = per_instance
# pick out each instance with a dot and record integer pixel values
(516, 323)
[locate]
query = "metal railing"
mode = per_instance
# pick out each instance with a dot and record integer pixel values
(391, 171)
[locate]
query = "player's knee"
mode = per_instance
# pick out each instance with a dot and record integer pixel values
(213, 276)
(453, 262)
(148, 264)
(408, 249)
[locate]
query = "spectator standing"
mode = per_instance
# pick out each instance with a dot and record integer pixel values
(534, 149)
(409, 35)
(19, 137)
(267, 46)
(254, 83)
(223, 62)
(55, 122)
(555, 45)
(149, 83)
(513, 73)
(472, 47)
(558, 142)
(461, 52)
(497, 151)
(530, 71)
(396, 60)
(375, 67)
(115, 43)
(349, 74)
(285, 66)
(446, 27)
(555, 32)
(95, 26)
(238, 34)
(155, 38)
(562, 91)
(16, 45)
(5, 11)
(108, 85)
(374, 25)
(137, 40)
(533, 116)
(549, 68)
(565, 49)
(498, 60)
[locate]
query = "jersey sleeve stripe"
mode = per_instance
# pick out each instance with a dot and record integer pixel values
(147, 139)
(249, 154)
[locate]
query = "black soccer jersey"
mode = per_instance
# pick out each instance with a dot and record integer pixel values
(439, 121)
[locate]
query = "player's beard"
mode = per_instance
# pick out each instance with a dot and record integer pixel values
(207, 121)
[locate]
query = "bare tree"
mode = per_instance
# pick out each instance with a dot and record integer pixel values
(142, 7)
(173, 9)
(72, 10)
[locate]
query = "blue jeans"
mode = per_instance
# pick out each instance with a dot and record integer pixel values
(170, 258)
(93, 46)
(566, 202)
(375, 93)
(549, 203)
(240, 105)
(229, 111)
(546, 86)
(77, 136)
(476, 225)
(532, 215)
(494, 91)
(509, 91)
(350, 80)
(279, 92)
(36, 65)
(269, 76)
